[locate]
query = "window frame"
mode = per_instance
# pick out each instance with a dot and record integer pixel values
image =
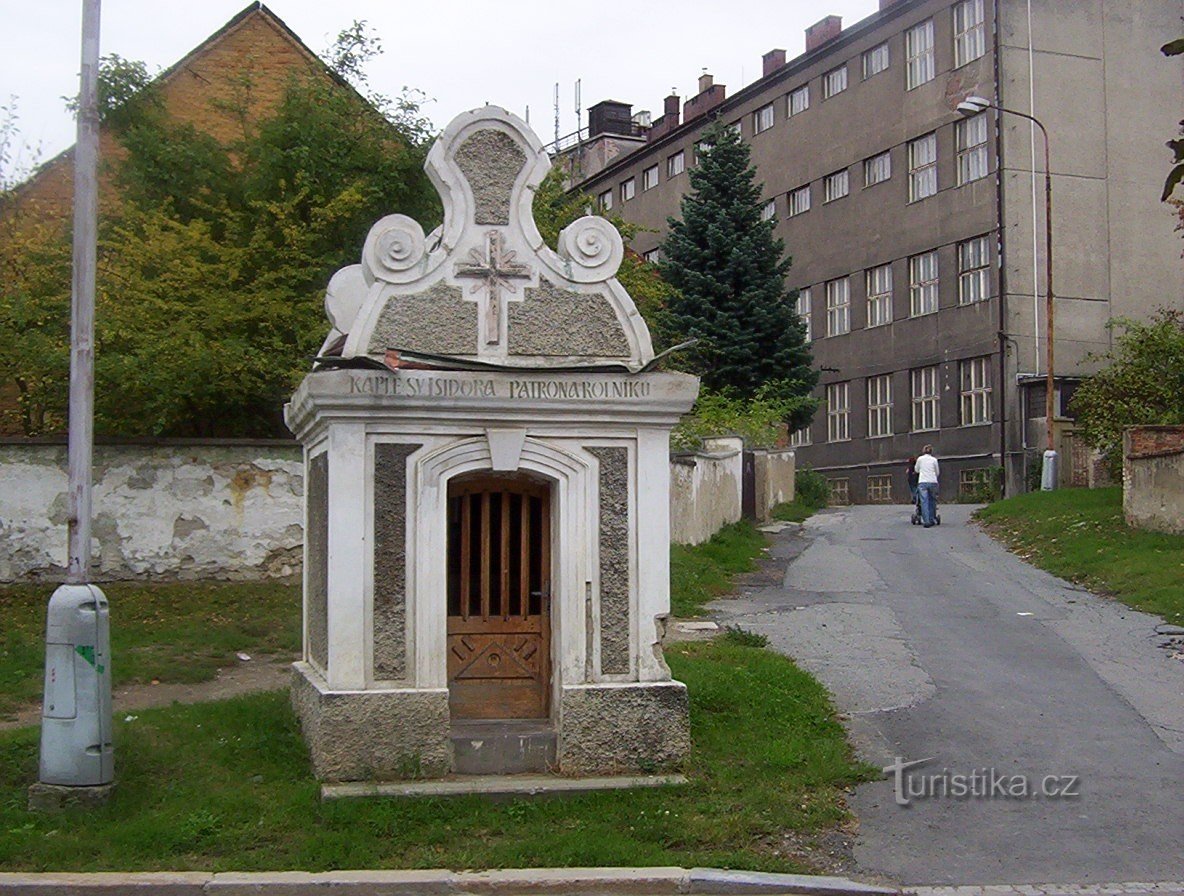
(838, 313)
(974, 266)
(605, 200)
(974, 406)
(869, 55)
(800, 438)
(676, 164)
(925, 398)
(831, 184)
(769, 210)
(829, 88)
(972, 157)
(648, 183)
(879, 488)
(792, 210)
(628, 188)
(804, 93)
(869, 165)
(922, 173)
(972, 39)
(920, 63)
(924, 286)
(763, 119)
(879, 406)
(805, 299)
(838, 417)
(879, 295)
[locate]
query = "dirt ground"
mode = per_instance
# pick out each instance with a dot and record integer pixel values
(263, 674)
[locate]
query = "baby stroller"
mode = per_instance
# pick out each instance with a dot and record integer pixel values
(916, 519)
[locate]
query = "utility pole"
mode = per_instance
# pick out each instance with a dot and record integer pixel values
(77, 758)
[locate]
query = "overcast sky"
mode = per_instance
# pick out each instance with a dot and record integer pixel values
(461, 53)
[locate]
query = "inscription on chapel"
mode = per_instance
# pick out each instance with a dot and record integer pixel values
(444, 387)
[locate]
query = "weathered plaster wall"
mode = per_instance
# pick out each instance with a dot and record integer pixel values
(774, 472)
(705, 491)
(196, 511)
(1153, 477)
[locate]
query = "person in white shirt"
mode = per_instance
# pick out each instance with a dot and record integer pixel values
(927, 475)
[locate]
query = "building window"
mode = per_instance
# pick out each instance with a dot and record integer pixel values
(676, 164)
(970, 138)
(799, 437)
(803, 308)
(923, 284)
(605, 200)
(970, 33)
(840, 491)
(628, 189)
(918, 55)
(838, 306)
(798, 100)
(879, 489)
(837, 412)
(877, 169)
(879, 406)
(799, 200)
(762, 119)
(835, 186)
(973, 483)
(875, 61)
(926, 400)
(879, 296)
(649, 178)
(976, 391)
(834, 81)
(653, 256)
(769, 210)
(922, 167)
(701, 149)
(974, 270)
(734, 127)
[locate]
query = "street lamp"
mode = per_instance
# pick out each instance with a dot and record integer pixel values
(973, 105)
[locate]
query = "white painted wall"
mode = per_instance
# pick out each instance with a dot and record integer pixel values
(181, 511)
(234, 511)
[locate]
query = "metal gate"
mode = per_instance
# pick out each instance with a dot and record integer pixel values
(499, 585)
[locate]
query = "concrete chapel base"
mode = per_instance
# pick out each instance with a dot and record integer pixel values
(629, 728)
(376, 735)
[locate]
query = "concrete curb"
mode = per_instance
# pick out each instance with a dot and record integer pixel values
(519, 882)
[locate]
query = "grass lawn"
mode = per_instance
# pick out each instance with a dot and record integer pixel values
(226, 785)
(703, 572)
(793, 512)
(170, 633)
(1080, 535)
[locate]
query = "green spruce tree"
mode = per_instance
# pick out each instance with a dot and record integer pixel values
(728, 271)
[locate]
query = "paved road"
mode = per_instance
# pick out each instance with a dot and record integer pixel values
(938, 643)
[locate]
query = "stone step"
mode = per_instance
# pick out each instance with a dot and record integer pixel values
(510, 747)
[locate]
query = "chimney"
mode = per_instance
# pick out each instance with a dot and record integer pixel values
(772, 61)
(705, 82)
(822, 32)
(671, 106)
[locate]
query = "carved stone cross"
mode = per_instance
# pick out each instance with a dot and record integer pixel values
(493, 274)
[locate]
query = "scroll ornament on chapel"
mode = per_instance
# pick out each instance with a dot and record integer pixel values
(484, 287)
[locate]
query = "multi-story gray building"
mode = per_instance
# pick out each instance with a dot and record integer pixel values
(918, 233)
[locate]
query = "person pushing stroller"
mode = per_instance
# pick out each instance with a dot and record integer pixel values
(927, 471)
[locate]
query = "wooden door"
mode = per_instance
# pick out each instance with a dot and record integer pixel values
(499, 586)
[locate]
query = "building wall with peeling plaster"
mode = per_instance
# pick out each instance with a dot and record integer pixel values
(161, 513)
(233, 511)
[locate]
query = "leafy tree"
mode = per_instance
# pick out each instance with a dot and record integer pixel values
(1174, 48)
(214, 258)
(1143, 383)
(728, 272)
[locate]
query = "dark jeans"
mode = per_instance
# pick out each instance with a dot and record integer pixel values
(928, 491)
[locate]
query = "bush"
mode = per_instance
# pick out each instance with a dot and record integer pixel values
(986, 487)
(810, 488)
(742, 637)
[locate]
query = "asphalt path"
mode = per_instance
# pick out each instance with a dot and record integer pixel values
(939, 645)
